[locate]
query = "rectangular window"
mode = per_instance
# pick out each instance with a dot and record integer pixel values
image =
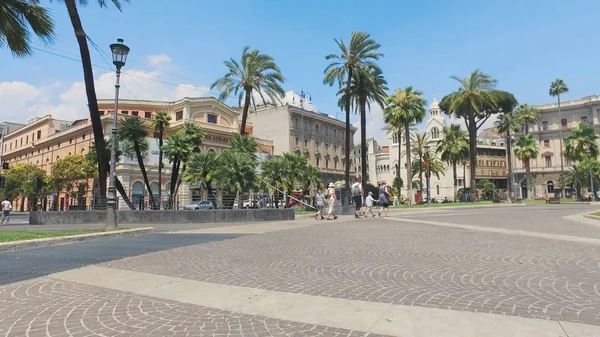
(326, 147)
(212, 118)
(546, 143)
(70, 140)
(83, 137)
(335, 149)
(317, 127)
(544, 125)
(584, 119)
(135, 113)
(179, 115)
(317, 145)
(39, 134)
(297, 140)
(101, 112)
(148, 114)
(27, 139)
(125, 112)
(563, 123)
(305, 125)
(548, 161)
(326, 131)
(296, 122)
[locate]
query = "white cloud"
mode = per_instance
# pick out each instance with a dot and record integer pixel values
(159, 59)
(21, 101)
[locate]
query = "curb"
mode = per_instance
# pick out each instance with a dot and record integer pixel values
(589, 216)
(65, 240)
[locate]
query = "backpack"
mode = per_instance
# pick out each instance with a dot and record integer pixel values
(356, 189)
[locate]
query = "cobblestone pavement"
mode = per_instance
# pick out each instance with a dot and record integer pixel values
(56, 308)
(402, 263)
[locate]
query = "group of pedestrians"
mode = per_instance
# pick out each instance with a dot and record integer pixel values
(363, 206)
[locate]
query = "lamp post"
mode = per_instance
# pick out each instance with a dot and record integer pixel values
(589, 154)
(119, 53)
(427, 148)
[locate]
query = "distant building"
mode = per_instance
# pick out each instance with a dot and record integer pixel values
(319, 137)
(5, 129)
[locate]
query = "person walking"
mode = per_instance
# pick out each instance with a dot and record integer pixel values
(357, 194)
(6, 207)
(384, 199)
(320, 200)
(369, 205)
(331, 199)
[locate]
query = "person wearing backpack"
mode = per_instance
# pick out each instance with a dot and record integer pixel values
(357, 195)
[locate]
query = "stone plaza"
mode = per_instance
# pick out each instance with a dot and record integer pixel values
(522, 270)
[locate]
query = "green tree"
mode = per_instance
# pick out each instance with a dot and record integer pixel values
(71, 174)
(475, 102)
(236, 172)
(398, 184)
(507, 123)
(200, 168)
(453, 149)
(245, 144)
(526, 150)
(582, 143)
(368, 85)
(20, 181)
(419, 143)
(18, 19)
(576, 177)
(404, 107)
(428, 160)
(160, 122)
(489, 189)
(254, 73)
(557, 88)
(134, 132)
(91, 157)
(274, 177)
(362, 52)
(527, 114)
(312, 177)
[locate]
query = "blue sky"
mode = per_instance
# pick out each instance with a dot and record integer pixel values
(523, 44)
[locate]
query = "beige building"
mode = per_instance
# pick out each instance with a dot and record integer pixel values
(545, 168)
(46, 140)
(318, 136)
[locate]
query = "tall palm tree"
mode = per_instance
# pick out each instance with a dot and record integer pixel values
(404, 107)
(254, 73)
(475, 102)
(368, 85)
(526, 150)
(507, 123)
(18, 19)
(557, 88)
(419, 142)
(161, 121)
(200, 168)
(582, 143)
(133, 130)
(528, 114)
(453, 149)
(362, 52)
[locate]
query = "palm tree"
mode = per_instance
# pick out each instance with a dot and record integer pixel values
(475, 102)
(18, 19)
(526, 150)
(557, 88)
(404, 107)
(160, 123)
(90, 89)
(245, 144)
(296, 170)
(528, 114)
(362, 52)
(236, 172)
(430, 163)
(420, 141)
(254, 73)
(453, 149)
(274, 177)
(582, 143)
(312, 177)
(134, 131)
(368, 85)
(575, 177)
(507, 123)
(200, 168)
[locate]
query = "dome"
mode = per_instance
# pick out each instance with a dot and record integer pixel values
(434, 105)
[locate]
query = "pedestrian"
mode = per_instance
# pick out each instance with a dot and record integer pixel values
(331, 199)
(369, 204)
(6, 207)
(357, 194)
(320, 200)
(384, 199)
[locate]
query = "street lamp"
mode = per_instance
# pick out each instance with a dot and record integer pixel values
(119, 53)
(428, 175)
(589, 154)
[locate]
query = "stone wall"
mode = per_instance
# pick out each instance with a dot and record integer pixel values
(162, 217)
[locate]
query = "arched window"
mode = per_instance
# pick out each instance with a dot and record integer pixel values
(437, 189)
(550, 186)
(435, 133)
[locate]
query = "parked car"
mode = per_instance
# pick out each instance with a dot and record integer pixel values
(246, 204)
(199, 205)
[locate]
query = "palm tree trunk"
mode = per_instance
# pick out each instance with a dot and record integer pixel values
(455, 177)
(174, 170)
(363, 140)
(178, 181)
(160, 164)
(411, 196)
(138, 154)
(245, 111)
(90, 91)
(399, 157)
(123, 194)
(528, 173)
(511, 184)
(421, 175)
(473, 156)
(562, 167)
(346, 198)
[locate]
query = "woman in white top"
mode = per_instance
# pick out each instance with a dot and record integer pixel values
(332, 199)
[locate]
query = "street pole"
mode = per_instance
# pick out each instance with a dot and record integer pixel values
(428, 176)
(120, 52)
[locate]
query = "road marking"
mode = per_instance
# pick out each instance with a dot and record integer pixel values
(380, 318)
(503, 231)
